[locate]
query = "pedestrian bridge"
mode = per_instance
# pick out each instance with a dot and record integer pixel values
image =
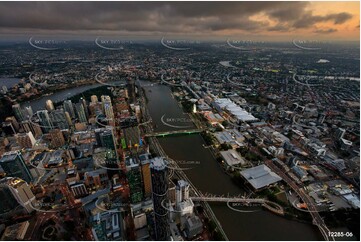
(174, 132)
(271, 206)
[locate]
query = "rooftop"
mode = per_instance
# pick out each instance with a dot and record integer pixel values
(260, 176)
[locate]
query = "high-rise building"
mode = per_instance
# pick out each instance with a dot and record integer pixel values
(14, 122)
(134, 177)
(8, 128)
(8, 203)
(19, 190)
(85, 105)
(68, 107)
(159, 170)
(45, 121)
(94, 99)
(58, 119)
(107, 107)
(26, 140)
(68, 119)
(147, 182)
(80, 113)
(131, 90)
(27, 126)
(57, 138)
(107, 139)
(29, 112)
(182, 191)
(49, 105)
(14, 165)
(18, 112)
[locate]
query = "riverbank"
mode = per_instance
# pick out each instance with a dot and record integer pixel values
(207, 176)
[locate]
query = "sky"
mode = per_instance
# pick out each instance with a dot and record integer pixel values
(274, 21)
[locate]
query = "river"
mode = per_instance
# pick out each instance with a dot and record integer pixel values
(38, 104)
(208, 176)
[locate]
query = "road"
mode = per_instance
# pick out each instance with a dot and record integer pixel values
(317, 219)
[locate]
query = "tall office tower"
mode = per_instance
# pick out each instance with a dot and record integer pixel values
(85, 105)
(45, 121)
(107, 107)
(182, 191)
(147, 182)
(107, 139)
(134, 177)
(14, 165)
(14, 122)
(28, 112)
(159, 194)
(19, 190)
(27, 126)
(68, 119)
(340, 133)
(25, 140)
(68, 107)
(8, 203)
(80, 113)
(8, 128)
(49, 105)
(58, 119)
(94, 99)
(95, 109)
(57, 138)
(131, 90)
(18, 112)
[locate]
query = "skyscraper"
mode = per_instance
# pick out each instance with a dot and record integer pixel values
(147, 182)
(58, 119)
(49, 105)
(85, 105)
(57, 138)
(29, 112)
(17, 189)
(7, 201)
(18, 112)
(14, 165)
(182, 191)
(68, 107)
(80, 113)
(94, 99)
(134, 177)
(107, 107)
(107, 139)
(25, 140)
(45, 121)
(159, 194)
(27, 126)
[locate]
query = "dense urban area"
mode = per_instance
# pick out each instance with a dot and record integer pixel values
(179, 139)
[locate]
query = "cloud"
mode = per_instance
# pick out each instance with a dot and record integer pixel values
(162, 17)
(308, 19)
(325, 31)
